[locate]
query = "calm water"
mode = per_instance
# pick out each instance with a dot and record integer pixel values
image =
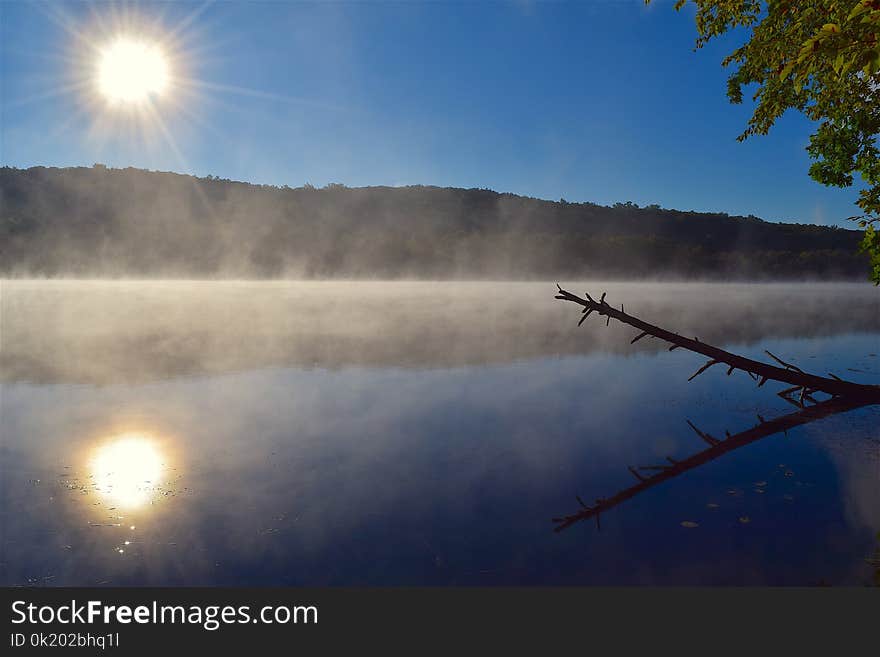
(422, 433)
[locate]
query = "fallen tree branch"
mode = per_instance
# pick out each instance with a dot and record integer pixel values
(762, 372)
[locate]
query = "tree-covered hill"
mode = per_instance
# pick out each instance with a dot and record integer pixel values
(95, 221)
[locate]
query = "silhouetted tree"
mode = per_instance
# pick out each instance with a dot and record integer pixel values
(102, 221)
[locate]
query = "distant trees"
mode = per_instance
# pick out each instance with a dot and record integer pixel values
(822, 58)
(106, 222)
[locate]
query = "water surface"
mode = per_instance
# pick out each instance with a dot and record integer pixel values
(422, 433)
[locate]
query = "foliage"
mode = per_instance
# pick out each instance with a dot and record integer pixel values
(819, 57)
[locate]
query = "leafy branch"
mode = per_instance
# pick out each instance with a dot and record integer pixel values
(821, 58)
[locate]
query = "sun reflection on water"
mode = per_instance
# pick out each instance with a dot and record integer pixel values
(127, 469)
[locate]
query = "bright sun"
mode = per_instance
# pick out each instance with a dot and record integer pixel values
(130, 71)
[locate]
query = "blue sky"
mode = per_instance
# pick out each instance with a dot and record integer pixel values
(599, 101)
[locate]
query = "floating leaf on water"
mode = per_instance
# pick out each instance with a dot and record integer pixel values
(689, 524)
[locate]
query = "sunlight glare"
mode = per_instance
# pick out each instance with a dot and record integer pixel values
(127, 469)
(130, 71)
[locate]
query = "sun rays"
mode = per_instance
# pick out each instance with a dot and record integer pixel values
(130, 79)
(144, 84)
(125, 77)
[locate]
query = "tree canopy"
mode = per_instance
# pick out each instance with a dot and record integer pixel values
(821, 58)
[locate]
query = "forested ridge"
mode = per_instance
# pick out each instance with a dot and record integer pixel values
(96, 221)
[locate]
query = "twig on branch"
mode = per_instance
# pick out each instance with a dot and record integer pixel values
(787, 366)
(712, 440)
(638, 337)
(636, 473)
(703, 369)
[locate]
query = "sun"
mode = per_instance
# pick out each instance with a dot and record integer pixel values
(131, 71)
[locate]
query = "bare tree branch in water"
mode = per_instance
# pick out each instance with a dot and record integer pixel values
(674, 468)
(845, 396)
(805, 383)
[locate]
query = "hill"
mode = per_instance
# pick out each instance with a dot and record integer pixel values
(97, 222)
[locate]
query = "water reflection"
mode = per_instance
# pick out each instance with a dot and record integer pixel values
(431, 457)
(717, 448)
(127, 469)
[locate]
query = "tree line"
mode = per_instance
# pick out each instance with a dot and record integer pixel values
(97, 221)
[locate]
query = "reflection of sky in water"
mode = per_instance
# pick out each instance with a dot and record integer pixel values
(385, 475)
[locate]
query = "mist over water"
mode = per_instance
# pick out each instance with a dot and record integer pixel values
(182, 432)
(108, 332)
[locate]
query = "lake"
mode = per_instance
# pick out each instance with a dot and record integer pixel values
(424, 433)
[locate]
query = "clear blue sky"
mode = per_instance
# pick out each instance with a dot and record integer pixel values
(599, 101)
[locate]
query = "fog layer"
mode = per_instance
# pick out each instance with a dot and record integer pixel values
(106, 332)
